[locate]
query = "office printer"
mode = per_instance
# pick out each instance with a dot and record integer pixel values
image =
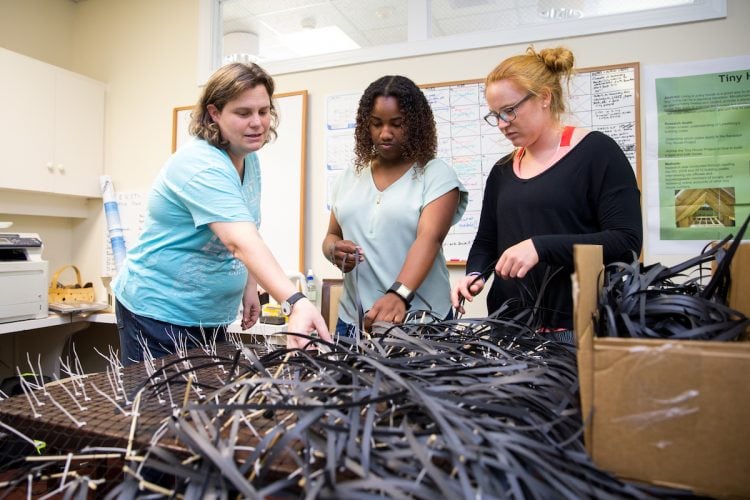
(23, 277)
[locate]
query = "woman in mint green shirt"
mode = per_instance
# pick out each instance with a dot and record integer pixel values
(394, 206)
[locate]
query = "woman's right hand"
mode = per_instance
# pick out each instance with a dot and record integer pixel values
(343, 254)
(467, 287)
(305, 318)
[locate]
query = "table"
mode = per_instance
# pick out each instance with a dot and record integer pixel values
(46, 338)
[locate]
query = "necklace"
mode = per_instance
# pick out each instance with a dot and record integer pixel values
(538, 166)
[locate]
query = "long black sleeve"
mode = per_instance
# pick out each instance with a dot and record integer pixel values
(615, 203)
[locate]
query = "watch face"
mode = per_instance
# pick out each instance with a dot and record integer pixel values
(286, 308)
(405, 293)
(402, 291)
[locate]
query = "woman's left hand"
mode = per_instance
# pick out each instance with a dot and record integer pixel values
(304, 319)
(250, 308)
(517, 260)
(343, 254)
(389, 308)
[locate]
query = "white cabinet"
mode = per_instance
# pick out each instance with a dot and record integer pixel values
(51, 128)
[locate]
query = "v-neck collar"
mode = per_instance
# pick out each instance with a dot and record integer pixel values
(374, 185)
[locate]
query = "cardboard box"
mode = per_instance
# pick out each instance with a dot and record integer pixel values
(665, 412)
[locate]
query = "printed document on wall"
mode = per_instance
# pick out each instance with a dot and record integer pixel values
(697, 153)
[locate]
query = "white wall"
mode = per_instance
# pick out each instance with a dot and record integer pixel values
(146, 51)
(42, 29)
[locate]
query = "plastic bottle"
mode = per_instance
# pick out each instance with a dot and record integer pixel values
(312, 289)
(114, 226)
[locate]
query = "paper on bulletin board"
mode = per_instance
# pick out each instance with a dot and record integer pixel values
(341, 115)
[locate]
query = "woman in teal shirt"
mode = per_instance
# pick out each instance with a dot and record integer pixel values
(200, 252)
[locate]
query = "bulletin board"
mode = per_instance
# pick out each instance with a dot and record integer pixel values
(283, 172)
(604, 98)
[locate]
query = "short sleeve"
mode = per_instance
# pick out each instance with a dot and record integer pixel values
(440, 179)
(214, 195)
(345, 178)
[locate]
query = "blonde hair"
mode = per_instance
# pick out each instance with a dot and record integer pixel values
(226, 84)
(536, 72)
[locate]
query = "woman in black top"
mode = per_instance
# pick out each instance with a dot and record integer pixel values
(560, 186)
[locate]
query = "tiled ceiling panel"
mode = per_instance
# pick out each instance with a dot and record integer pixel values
(382, 22)
(384, 36)
(373, 14)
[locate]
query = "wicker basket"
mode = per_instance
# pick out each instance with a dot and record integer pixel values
(77, 292)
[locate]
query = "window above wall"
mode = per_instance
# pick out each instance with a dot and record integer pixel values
(296, 35)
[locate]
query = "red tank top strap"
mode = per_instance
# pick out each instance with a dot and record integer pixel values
(517, 160)
(567, 134)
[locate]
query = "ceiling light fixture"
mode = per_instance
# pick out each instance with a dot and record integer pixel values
(384, 12)
(240, 46)
(561, 13)
(560, 10)
(314, 41)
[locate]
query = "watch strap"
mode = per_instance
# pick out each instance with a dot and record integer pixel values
(403, 291)
(288, 304)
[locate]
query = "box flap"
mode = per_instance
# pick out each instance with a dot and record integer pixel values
(740, 272)
(588, 273)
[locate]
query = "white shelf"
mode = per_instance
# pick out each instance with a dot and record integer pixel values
(55, 319)
(31, 324)
(100, 317)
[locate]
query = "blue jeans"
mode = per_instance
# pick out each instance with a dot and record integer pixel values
(159, 336)
(347, 330)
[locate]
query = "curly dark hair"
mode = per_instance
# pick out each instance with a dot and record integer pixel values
(420, 136)
(226, 84)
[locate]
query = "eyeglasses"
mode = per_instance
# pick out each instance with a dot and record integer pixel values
(507, 115)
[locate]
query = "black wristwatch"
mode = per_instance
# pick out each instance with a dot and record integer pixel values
(402, 291)
(288, 305)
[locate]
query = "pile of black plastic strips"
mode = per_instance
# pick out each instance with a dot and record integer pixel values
(683, 302)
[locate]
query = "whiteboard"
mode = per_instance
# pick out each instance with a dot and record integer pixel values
(602, 98)
(283, 174)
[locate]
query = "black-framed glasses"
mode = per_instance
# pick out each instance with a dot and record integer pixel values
(507, 115)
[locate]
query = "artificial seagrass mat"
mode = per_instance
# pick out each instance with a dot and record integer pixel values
(478, 409)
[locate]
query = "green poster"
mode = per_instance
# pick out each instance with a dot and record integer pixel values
(703, 154)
